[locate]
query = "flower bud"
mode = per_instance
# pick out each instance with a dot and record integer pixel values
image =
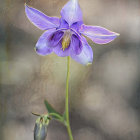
(40, 130)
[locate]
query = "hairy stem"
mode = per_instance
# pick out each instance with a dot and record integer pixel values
(67, 100)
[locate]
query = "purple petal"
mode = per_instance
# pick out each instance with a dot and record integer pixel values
(98, 34)
(41, 20)
(55, 38)
(86, 55)
(63, 24)
(43, 45)
(71, 12)
(76, 45)
(59, 51)
(76, 26)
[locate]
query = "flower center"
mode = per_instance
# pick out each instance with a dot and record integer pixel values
(66, 40)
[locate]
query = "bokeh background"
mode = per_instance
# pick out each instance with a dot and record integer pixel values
(104, 97)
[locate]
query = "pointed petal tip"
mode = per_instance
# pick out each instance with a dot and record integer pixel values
(26, 5)
(88, 64)
(40, 52)
(117, 34)
(36, 50)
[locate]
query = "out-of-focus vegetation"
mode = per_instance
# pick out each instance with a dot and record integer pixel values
(104, 97)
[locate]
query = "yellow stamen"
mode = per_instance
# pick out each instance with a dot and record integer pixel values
(66, 40)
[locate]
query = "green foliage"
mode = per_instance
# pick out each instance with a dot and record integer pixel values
(53, 113)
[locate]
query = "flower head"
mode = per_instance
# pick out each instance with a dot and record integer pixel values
(40, 129)
(63, 36)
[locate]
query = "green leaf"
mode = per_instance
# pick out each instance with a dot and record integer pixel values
(52, 112)
(49, 107)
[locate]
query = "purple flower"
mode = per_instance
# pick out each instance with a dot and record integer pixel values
(64, 36)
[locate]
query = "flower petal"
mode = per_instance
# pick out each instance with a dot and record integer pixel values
(71, 12)
(55, 38)
(98, 34)
(63, 24)
(86, 55)
(76, 26)
(43, 45)
(76, 45)
(41, 20)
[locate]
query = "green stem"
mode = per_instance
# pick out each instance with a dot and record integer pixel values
(60, 118)
(67, 101)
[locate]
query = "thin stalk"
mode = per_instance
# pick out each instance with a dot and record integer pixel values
(58, 116)
(67, 100)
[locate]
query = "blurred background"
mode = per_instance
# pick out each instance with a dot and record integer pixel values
(104, 97)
